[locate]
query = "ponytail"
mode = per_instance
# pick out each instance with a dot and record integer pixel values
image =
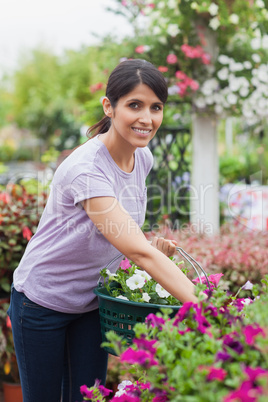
(101, 127)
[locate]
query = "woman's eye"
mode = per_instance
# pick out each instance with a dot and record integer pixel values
(134, 105)
(157, 108)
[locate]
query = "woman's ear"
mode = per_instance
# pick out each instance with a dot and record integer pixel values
(107, 107)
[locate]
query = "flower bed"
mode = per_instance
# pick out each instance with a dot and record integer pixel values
(215, 350)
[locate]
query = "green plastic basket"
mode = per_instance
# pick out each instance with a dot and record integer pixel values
(121, 316)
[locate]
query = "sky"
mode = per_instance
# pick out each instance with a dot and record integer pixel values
(55, 24)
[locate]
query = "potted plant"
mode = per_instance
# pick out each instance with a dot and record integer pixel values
(9, 366)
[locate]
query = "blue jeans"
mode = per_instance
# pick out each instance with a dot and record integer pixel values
(56, 352)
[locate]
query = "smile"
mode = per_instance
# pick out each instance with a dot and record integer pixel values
(140, 131)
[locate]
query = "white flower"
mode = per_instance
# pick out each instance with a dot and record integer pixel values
(121, 297)
(247, 301)
(163, 40)
(200, 102)
(236, 66)
(194, 5)
(173, 30)
(248, 286)
(234, 19)
(234, 84)
(209, 100)
(161, 4)
(223, 59)
(265, 42)
(172, 4)
(218, 109)
(214, 23)
(256, 43)
(143, 274)
(244, 91)
(156, 30)
(263, 73)
(135, 282)
(223, 74)
(173, 90)
(108, 272)
(247, 65)
(209, 86)
(146, 297)
(213, 9)
(260, 3)
(161, 291)
(256, 58)
(231, 98)
(121, 387)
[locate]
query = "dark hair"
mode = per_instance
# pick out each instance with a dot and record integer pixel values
(123, 79)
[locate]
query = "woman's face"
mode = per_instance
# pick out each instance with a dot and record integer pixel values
(137, 116)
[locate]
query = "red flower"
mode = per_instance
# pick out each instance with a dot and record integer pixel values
(140, 49)
(96, 87)
(8, 322)
(26, 233)
(163, 69)
(5, 197)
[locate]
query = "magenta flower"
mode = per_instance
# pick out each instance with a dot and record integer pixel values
(141, 357)
(155, 321)
(223, 356)
(216, 374)
(251, 331)
(254, 373)
(172, 58)
(85, 391)
(125, 264)
(183, 312)
(212, 310)
(230, 341)
(125, 398)
(104, 391)
(245, 393)
(146, 344)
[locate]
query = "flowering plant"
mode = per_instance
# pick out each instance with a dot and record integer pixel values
(209, 351)
(20, 212)
(213, 53)
(7, 351)
(134, 284)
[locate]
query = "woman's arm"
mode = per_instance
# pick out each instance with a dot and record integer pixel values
(117, 226)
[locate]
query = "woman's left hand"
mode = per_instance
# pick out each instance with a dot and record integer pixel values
(168, 247)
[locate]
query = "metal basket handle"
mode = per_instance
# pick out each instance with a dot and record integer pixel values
(183, 253)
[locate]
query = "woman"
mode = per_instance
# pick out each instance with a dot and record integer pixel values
(94, 212)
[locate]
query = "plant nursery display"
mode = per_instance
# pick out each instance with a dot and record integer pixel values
(214, 350)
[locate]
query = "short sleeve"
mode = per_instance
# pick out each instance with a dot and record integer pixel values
(91, 185)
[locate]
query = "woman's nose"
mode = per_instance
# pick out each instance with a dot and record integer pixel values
(145, 117)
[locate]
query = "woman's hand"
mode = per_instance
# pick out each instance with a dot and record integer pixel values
(168, 247)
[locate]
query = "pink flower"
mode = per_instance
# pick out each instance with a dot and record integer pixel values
(85, 391)
(26, 233)
(141, 357)
(251, 331)
(5, 197)
(124, 3)
(140, 49)
(214, 278)
(172, 59)
(245, 393)
(104, 391)
(183, 312)
(163, 69)
(155, 321)
(193, 85)
(146, 344)
(8, 322)
(216, 374)
(96, 87)
(125, 398)
(254, 373)
(180, 75)
(206, 58)
(125, 264)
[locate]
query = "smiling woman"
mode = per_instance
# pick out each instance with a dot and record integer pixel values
(95, 210)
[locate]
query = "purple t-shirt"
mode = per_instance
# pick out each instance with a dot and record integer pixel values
(62, 261)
